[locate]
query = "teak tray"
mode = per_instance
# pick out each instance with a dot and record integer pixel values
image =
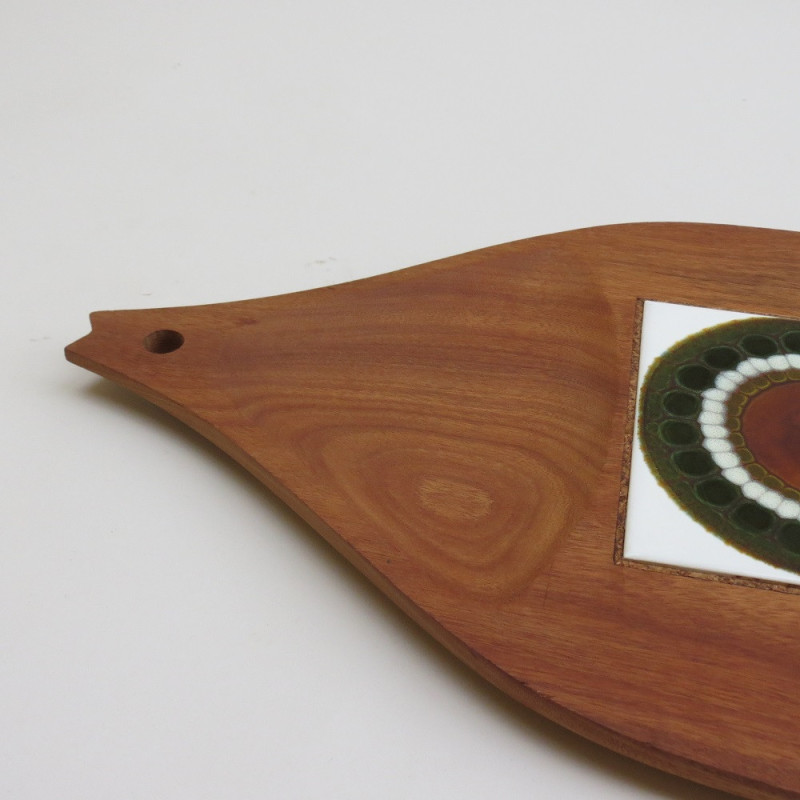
(462, 431)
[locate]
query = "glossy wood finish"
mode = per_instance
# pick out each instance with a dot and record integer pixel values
(460, 432)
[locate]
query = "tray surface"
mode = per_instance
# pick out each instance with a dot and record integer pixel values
(462, 432)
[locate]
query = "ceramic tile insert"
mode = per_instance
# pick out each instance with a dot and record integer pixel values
(714, 485)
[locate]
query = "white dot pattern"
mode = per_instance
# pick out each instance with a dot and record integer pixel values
(716, 436)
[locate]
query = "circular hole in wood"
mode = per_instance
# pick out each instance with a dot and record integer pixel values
(163, 341)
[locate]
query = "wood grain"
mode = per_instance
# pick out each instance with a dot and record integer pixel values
(459, 431)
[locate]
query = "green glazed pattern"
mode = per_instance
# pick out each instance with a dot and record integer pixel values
(693, 401)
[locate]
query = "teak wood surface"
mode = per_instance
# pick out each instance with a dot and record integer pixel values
(460, 431)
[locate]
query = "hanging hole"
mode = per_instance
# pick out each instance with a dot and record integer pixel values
(164, 341)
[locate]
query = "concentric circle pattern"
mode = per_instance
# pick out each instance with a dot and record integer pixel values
(720, 428)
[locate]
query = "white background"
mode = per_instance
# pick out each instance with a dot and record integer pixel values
(167, 630)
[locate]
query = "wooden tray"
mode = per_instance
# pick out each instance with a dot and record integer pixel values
(461, 431)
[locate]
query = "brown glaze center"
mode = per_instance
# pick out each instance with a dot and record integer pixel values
(771, 430)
